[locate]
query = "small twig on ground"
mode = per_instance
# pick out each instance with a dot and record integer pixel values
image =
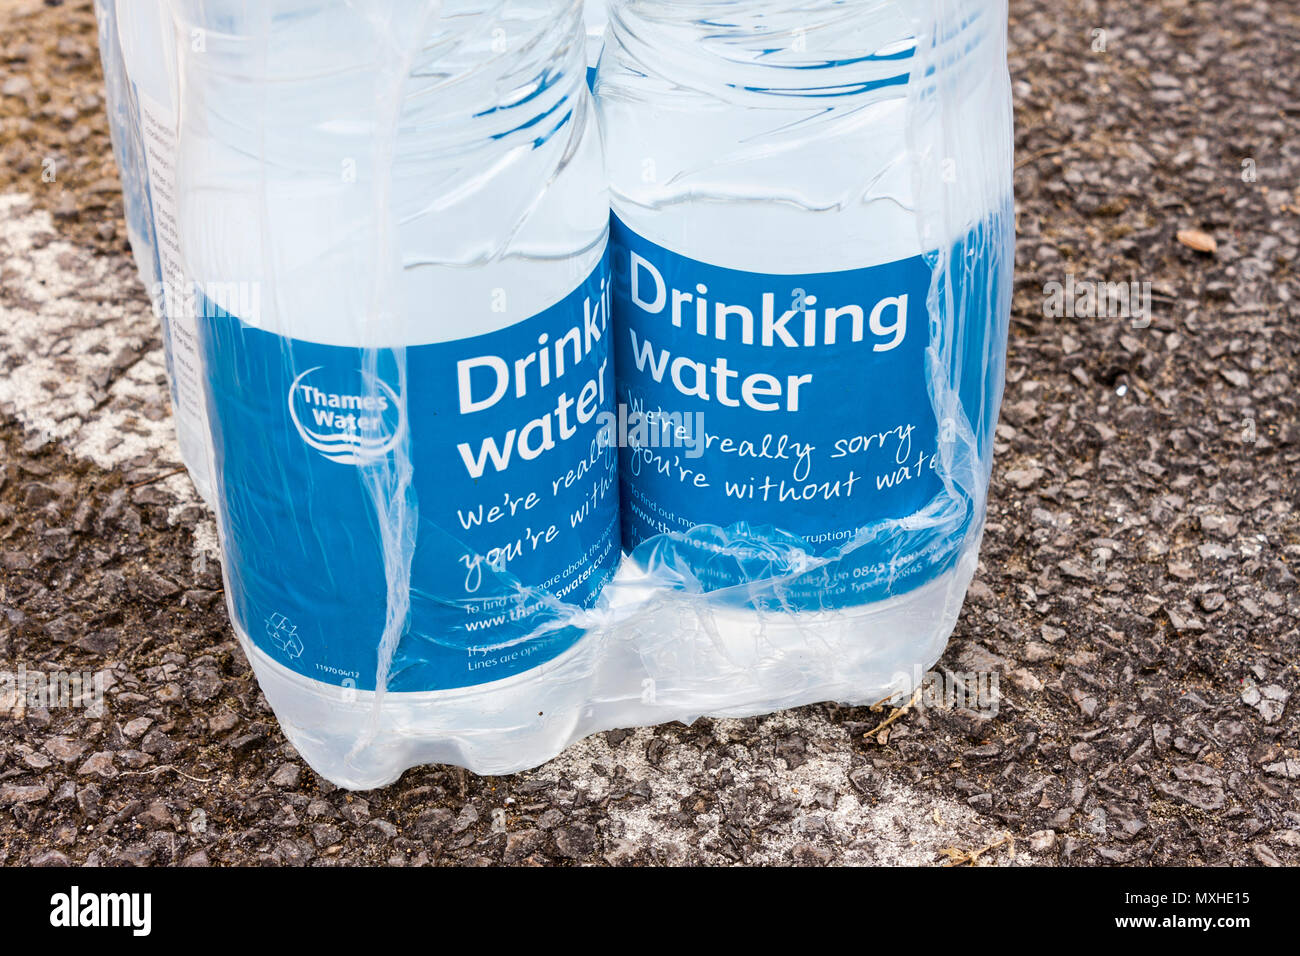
(1034, 157)
(153, 770)
(958, 857)
(1059, 148)
(150, 481)
(897, 712)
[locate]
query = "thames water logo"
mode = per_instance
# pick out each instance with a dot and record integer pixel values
(283, 633)
(344, 419)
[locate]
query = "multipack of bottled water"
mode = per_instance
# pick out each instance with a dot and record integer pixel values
(551, 376)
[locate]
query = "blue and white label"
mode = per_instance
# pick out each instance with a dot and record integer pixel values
(814, 422)
(513, 482)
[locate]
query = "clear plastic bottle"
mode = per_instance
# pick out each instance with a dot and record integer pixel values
(138, 45)
(123, 128)
(396, 220)
(772, 262)
(594, 17)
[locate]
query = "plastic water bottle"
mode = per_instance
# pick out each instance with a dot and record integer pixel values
(395, 218)
(814, 444)
(138, 45)
(123, 128)
(594, 17)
